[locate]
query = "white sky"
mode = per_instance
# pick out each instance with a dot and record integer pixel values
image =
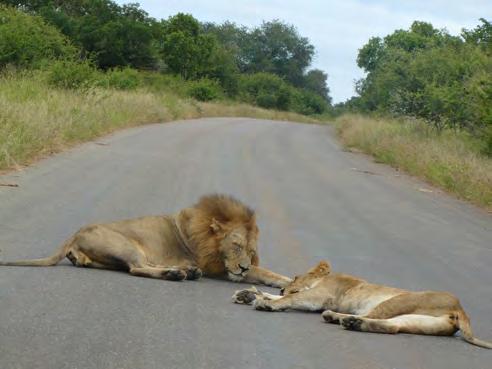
(337, 29)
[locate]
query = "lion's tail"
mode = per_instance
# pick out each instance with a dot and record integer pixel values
(49, 261)
(465, 327)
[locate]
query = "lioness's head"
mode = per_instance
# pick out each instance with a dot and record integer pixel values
(307, 281)
(225, 233)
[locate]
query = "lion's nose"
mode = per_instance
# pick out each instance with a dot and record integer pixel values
(243, 269)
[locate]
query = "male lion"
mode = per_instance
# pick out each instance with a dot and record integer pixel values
(217, 236)
(362, 306)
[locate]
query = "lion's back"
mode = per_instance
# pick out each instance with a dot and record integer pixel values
(155, 236)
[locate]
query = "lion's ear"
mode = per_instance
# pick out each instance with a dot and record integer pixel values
(216, 226)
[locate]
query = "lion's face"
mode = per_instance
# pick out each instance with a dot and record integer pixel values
(307, 281)
(238, 247)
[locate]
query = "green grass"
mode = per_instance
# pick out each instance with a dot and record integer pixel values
(450, 160)
(37, 119)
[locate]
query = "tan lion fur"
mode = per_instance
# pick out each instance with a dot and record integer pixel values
(217, 236)
(362, 306)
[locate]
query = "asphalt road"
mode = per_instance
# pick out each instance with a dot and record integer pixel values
(314, 201)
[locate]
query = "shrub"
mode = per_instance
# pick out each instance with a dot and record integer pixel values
(204, 90)
(26, 40)
(266, 90)
(123, 79)
(160, 82)
(309, 103)
(71, 74)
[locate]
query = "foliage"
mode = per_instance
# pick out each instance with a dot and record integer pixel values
(122, 78)
(274, 47)
(70, 74)
(119, 39)
(186, 51)
(309, 103)
(113, 35)
(481, 35)
(315, 81)
(427, 73)
(27, 40)
(265, 90)
(205, 90)
(271, 92)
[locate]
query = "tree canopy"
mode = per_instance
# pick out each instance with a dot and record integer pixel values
(112, 36)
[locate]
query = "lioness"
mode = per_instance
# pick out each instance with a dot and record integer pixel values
(362, 306)
(217, 236)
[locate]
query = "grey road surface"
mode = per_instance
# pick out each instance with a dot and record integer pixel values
(314, 201)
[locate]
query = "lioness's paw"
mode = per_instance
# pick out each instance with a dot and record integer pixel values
(174, 275)
(329, 316)
(244, 297)
(193, 273)
(263, 305)
(352, 323)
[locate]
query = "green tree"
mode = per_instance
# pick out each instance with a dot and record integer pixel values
(427, 73)
(276, 47)
(370, 54)
(185, 50)
(26, 40)
(113, 35)
(316, 81)
(480, 35)
(233, 38)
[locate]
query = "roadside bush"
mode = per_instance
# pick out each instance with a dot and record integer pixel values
(486, 138)
(309, 103)
(123, 79)
(159, 82)
(26, 40)
(70, 74)
(265, 90)
(204, 90)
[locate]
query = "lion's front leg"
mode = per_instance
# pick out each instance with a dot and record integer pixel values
(259, 275)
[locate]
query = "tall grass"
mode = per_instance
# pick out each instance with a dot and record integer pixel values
(450, 160)
(37, 119)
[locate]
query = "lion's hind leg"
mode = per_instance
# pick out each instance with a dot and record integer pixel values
(444, 325)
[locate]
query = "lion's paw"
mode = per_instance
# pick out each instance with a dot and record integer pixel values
(174, 275)
(193, 273)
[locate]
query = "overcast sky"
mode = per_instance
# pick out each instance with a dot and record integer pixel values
(337, 29)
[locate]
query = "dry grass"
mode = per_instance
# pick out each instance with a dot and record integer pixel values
(36, 119)
(449, 160)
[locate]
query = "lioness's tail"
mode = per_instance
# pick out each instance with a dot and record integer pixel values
(465, 327)
(49, 261)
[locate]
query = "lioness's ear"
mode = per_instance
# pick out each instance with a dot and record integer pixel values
(322, 268)
(216, 226)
